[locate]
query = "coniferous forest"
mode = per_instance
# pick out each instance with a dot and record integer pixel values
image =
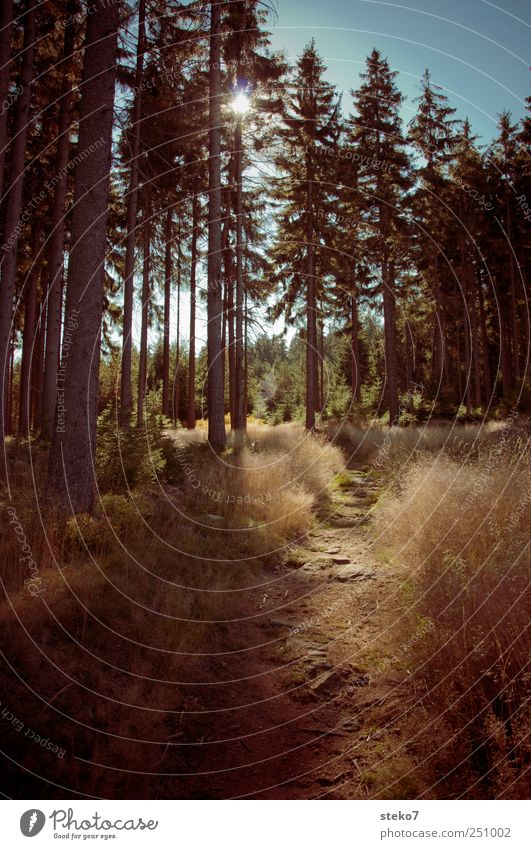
(264, 344)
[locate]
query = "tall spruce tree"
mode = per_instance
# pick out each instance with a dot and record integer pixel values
(303, 191)
(432, 132)
(375, 133)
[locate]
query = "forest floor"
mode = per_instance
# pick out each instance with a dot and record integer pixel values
(313, 704)
(168, 659)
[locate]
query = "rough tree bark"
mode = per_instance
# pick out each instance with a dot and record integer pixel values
(71, 477)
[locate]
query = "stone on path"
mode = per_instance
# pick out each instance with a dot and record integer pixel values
(353, 573)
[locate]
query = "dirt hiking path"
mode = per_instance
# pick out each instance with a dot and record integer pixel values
(300, 712)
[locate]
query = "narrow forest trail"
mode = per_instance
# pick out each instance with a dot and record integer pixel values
(300, 712)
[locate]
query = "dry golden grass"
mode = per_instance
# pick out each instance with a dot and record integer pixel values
(461, 530)
(269, 488)
(385, 447)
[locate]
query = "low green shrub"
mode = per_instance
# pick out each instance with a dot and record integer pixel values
(130, 458)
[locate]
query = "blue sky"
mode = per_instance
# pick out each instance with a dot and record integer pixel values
(478, 51)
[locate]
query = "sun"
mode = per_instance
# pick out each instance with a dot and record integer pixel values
(241, 103)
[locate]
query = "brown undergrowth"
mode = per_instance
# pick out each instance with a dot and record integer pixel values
(458, 523)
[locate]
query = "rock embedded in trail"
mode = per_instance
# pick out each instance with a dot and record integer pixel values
(337, 678)
(319, 663)
(353, 573)
(327, 680)
(316, 564)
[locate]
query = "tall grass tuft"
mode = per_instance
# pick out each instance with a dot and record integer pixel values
(461, 528)
(388, 448)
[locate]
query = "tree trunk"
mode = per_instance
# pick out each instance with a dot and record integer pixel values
(321, 365)
(311, 317)
(240, 419)
(28, 342)
(418, 369)
(409, 360)
(487, 381)
(468, 358)
(37, 365)
(391, 370)
(475, 346)
(228, 299)
(355, 350)
(505, 353)
(28, 336)
(246, 358)
(178, 336)
(14, 203)
(440, 371)
(466, 328)
(126, 394)
(216, 390)
(524, 313)
(143, 356)
(167, 309)
(224, 333)
(459, 363)
(57, 240)
(229, 288)
(71, 479)
(10, 394)
(6, 27)
(193, 305)
(512, 293)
